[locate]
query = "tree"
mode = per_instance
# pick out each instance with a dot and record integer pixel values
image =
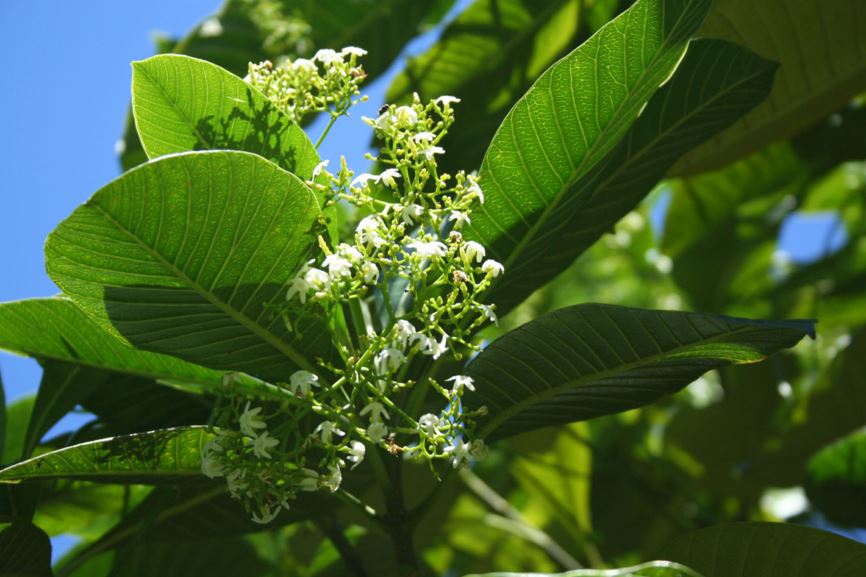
(302, 368)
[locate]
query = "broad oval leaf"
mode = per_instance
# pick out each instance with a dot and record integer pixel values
(836, 480)
(181, 103)
(590, 360)
(163, 456)
(572, 117)
(767, 550)
(651, 569)
(184, 255)
(716, 83)
(821, 45)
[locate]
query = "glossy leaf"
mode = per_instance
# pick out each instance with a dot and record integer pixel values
(651, 569)
(185, 254)
(716, 83)
(836, 482)
(182, 103)
(821, 45)
(25, 551)
(591, 360)
(164, 456)
(767, 549)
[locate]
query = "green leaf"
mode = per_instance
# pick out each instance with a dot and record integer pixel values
(182, 103)
(836, 482)
(17, 416)
(563, 126)
(716, 83)
(164, 456)
(591, 360)
(764, 549)
(214, 558)
(185, 255)
(25, 551)
(821, 45)
(651, 569)
(2, 417)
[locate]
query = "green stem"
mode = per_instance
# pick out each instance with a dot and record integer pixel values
(325, 132)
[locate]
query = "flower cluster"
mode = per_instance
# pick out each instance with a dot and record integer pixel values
(404, 292)
(327, 82)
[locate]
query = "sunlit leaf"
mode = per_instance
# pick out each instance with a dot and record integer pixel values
(836, 482)
(164, 456)
(185, 255)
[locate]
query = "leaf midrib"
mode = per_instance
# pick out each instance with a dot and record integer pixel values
(237, 316)
(549, 392)
(582, 167)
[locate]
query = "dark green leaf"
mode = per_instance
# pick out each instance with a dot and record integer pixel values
(591, 360)
(2, 417)
(765, 549)
(821, 45)
(182, 103)
(164, 456)
(17, 417)
(836, 482)
(715, 84)
(185, 254)
(25, 551)
(213, 558)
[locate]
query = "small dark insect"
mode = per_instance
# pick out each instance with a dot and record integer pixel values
(393, 447)
(383, 109)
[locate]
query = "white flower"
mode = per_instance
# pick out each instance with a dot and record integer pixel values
(337, 266)
(430, 151)
(368, 231)
(388, 361)
(460, 452)
(319, 168)
(333, 480)
(235, 482)
(460, 218)
(492, 268)
(328, 56)
(411, 213)
(304, 65)
(376, 410)
(250, 421)
(446, 100)
(299, 287)
(309, 481)
(268, 514)
(210, 463)
(263, 444)
(327, 429)
(363, 179)
(474, 191)
(461, 382)
(429, 424)
(387, 177)
(211, 27)
(403, 332)
(430, 249)
(301, 381)
(350, 252)
(353, 51)
(406, 116)
(424, 137)
(385, 121)
(472, 251)
(370, 272)
(489, 314)
(317, 279)
(356, 453)
(429, 346)
(377, 431)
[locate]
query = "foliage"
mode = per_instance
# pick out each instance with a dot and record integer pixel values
(298, 367)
